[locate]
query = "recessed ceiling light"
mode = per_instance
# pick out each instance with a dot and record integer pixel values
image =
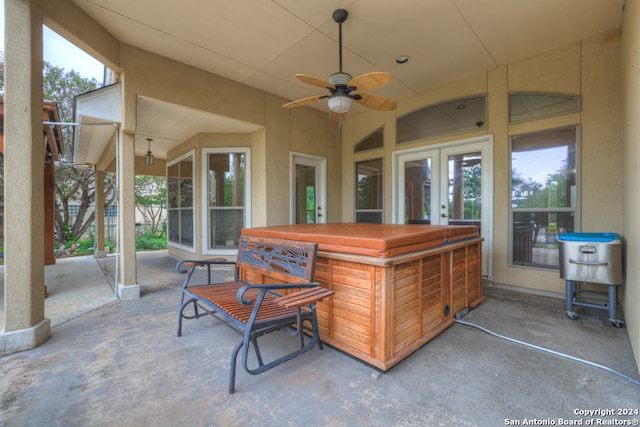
(461, 107)
(402, 59)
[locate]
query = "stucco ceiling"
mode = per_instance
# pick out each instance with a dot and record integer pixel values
(264, 43)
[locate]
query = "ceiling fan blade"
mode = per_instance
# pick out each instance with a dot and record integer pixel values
(370, 81)
(314, 81)
(303, 101)
(376, 102)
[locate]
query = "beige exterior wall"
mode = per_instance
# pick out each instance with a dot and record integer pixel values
(630, 76)
(588, 68)
(282, 131)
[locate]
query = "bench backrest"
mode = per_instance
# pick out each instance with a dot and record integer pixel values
(278, 258)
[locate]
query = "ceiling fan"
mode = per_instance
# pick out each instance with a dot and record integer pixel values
(342, 86)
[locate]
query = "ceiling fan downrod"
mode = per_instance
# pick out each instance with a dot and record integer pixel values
(340, 15)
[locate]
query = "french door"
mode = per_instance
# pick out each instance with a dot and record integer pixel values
(308, 189)
(447, 184)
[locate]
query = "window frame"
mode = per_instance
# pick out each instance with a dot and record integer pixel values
(183, 247)
(206, 249)
(576, 209)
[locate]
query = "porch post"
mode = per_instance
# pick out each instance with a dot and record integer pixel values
(49, 213)
(25, 325)
(98, 242)
(128, 287)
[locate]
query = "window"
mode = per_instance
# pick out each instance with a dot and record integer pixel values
(531, 106)
(226, 197)
(371, 142)
(111, 211)
(73, 210)
(544, 194)
(369, 185)
(180, 202)
(447, 118)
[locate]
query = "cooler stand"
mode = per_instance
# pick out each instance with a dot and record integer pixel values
(575, 296)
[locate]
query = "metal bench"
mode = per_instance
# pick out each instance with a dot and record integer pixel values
(254, 307)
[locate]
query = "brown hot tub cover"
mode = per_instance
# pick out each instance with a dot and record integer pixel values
(376, 240)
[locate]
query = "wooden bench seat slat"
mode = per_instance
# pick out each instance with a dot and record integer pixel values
(224, 297)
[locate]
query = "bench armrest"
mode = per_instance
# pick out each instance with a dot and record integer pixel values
(270, 287)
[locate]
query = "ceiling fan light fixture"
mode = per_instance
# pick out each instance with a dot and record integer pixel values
(340, 103)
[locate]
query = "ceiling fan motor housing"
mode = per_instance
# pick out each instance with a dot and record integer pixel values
(340, 78)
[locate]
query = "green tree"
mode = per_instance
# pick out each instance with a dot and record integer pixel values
(472, 191)
(526, 193)
(74, 185)
(62, 87)
(151, 202)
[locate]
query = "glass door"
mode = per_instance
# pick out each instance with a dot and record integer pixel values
(450, 185)
(305, 194)
(308, 189)
(462, 188)
(418, 178)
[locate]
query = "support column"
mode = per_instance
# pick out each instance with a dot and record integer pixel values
(49, 213)
(98, 239)
(25, 325)
(128, 287)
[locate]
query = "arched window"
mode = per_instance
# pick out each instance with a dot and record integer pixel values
(370, 142)
(447, 118)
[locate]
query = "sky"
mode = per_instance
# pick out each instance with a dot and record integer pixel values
(59, 52)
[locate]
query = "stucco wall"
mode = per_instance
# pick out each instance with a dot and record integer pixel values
(282, 131)
(588, 68)
(630, 76)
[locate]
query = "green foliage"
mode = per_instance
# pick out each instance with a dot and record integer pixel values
(151, 201)
(75, 247)
(73, 185)
(62, 87)
(150, 242)
(234, 181)
(472, 191)
(531, 194)
(65, 235)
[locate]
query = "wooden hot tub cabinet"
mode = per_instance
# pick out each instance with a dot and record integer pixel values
(396, 286)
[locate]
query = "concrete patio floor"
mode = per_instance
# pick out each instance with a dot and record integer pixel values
(121, 364)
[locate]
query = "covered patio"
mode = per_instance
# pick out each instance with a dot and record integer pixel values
(121, 364)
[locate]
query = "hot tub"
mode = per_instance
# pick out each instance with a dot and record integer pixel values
(396, 286)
